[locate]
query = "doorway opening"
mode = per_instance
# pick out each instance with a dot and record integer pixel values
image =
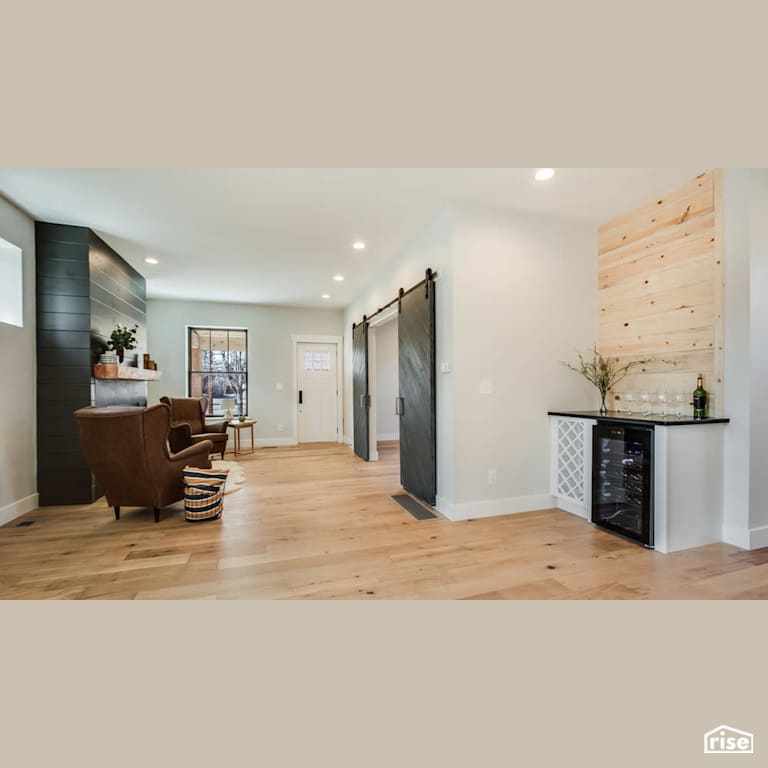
(383, 374)
(415, 403)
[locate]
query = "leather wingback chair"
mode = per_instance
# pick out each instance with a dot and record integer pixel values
(127, 451)
(188, 424)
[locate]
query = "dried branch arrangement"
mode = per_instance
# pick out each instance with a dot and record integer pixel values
(603, 372)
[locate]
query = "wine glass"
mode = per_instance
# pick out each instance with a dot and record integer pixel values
(680, 402)
(629, 400)
(661, 403)
(645, 400)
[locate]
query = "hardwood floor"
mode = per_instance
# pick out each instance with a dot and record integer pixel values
(315, 522)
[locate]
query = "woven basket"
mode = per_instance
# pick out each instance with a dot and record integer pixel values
(204, 493)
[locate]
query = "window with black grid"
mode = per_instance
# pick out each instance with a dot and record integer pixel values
(217, 368)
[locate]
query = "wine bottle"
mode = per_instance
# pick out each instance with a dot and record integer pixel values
(699, 399)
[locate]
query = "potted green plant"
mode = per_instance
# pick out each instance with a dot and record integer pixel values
(603, 372)
(122, 338)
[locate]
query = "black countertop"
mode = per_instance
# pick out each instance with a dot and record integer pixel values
(637, 418)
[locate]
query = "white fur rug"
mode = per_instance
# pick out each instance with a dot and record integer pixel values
(236, 476)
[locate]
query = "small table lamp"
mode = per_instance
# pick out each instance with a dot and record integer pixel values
(229, 405)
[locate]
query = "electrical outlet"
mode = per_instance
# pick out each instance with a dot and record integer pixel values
(445, 367)
(279, 386)
(280, 428)
(491, 477)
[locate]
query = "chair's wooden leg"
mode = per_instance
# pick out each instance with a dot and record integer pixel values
(157, 515)
(117, 513)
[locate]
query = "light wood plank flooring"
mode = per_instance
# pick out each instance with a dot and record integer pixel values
(315, 522)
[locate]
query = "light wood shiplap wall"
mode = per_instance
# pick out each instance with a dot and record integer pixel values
(660, 290)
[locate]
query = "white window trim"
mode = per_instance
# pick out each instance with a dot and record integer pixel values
(12, 290)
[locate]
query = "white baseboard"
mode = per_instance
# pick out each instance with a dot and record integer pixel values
(270, 442)
(512, 505)
(738, 537)
(274, 442)
(571, 506)
(388, 437)
(746, 538)
(758, 537)
(18, 508)
(348, 440)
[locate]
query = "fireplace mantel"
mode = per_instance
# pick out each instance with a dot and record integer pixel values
(124, 373)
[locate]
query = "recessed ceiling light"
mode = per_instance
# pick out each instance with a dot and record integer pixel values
(326, 296)
(358, 245)
(544, 174)
(338, 278)
(150, 260)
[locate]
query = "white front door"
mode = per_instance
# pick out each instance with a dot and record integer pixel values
(318, 397)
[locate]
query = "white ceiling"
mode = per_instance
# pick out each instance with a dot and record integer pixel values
(277, 236)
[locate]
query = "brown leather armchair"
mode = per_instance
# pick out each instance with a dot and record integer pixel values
(188, 424)
(127, 451)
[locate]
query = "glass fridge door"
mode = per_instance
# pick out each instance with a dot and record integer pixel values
(621, 480)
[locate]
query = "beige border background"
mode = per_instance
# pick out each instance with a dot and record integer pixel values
(366, 684)
(356, 82)
(362, 83)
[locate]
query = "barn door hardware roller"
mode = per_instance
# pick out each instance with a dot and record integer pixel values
(428, 278)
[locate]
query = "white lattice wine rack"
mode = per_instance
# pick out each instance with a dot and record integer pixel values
(571, 462)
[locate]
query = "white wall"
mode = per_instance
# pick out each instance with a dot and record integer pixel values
(270, 356)
(758, 285)
(18, 448)
(526, 299)
(387, 421)
(430, 250)
(516, 295)
(745, 210)
(736, 366)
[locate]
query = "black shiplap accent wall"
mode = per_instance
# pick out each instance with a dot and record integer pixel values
(118, 295)
(63, 361)
(84, 288)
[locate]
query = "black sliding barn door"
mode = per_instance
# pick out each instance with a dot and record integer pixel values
(416, 339)
(360, 389)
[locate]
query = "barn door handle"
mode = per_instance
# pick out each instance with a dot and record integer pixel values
(301, 397)
(399, 402)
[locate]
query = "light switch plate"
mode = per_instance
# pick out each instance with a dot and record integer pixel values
(445, 367)
(279, 386)
(486, 387)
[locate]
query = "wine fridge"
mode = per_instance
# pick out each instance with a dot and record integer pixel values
(622, 480)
